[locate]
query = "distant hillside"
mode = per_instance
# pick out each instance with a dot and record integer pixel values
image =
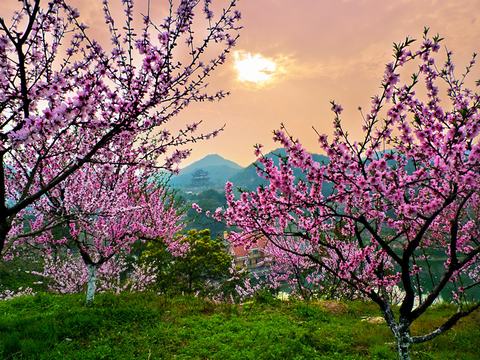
(211, 160)
(248, 178)
(214, 170)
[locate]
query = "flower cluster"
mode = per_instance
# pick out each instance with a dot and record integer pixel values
(69, 275)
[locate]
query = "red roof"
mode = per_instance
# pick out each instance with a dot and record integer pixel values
(243, 250)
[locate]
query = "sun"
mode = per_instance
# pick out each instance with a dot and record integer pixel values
(254, 68)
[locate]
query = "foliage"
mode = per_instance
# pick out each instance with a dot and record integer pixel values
(68, 274)
(209, 200)
(144, 326)
(105, 210)
(200, 269)
(17, 273)
(53, 77)
(410, 188)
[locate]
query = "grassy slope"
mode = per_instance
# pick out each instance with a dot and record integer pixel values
(151, 327)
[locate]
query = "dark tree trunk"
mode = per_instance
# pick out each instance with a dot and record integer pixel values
(4, 230)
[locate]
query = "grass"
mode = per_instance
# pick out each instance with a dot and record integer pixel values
(147, 326)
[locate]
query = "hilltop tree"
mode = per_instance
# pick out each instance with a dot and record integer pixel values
(406, 193)
(66, 101)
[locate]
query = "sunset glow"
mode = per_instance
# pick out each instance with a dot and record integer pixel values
(254, 68)
(293, 57)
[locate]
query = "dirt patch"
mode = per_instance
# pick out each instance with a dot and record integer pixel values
(333, 307)
(373, 319)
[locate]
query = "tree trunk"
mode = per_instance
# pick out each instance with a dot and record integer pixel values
(92, 283)
(4, 230)
(400, 330)
(403, 345)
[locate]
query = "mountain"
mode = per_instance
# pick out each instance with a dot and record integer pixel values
(213, 171)
(248, 178)
(212, 160)
(210, 172)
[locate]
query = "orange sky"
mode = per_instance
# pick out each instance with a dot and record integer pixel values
(325, 49)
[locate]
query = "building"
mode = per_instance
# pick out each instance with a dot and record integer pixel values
(200, 178)
(253, 258)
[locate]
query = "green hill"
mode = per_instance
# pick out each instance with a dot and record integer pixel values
(248, 178)
(218, 170)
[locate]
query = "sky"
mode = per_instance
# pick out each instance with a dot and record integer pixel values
(294, 56)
